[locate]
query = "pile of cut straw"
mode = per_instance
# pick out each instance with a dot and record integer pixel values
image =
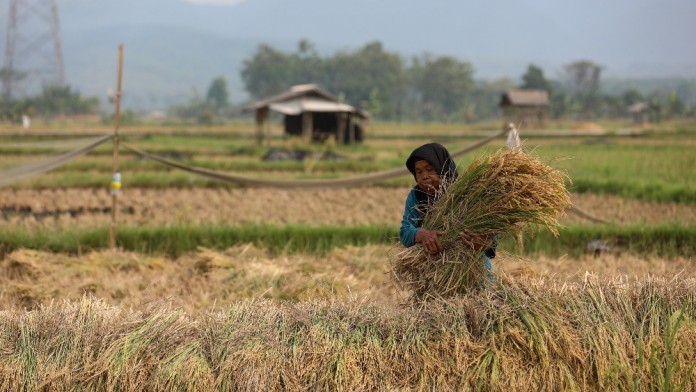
(505, 195)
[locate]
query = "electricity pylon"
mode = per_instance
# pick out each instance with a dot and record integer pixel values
(33, 55)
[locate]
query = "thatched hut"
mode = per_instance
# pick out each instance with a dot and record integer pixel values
(643, 112)
(528, 107)
(312, 113)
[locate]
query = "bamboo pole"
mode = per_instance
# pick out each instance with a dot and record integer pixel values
(116, 178)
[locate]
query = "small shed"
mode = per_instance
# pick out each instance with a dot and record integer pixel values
(312, 113)
(642, 112)
(527, 106)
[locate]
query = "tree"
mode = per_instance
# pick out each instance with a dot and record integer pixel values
(271, 71)
(268, 72)
(444, 84)
(12, 110)
(63, 100)
(486, 97)
(582, 87)
(218, 96)
(357, 74)
(374, 106)
(10, 77)
(582, 77)
(534, 79)
(631, 96)
(675, 106)
(308, 66)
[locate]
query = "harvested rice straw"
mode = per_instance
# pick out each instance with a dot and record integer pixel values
(505, 195)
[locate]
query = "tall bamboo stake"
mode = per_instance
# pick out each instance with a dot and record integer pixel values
(116, 179)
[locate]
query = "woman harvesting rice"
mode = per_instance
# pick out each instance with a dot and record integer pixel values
(432, 167)
(502, 195)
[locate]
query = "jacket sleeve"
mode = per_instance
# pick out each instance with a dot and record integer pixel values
(411, 221)
(490, 252)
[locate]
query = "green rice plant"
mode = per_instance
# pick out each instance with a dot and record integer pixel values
(657, 190)
(179, 239)
(656, 170)
(661, 240)
(175, 240)
(501, 196)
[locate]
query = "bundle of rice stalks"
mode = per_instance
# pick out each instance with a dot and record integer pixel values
(505, 195)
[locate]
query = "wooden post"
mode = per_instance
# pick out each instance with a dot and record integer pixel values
(116, 179)
(261, 120)
(351, 128)
(307, 126)
(341, 131)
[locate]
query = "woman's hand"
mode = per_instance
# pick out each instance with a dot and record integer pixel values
(430, 240)
(476, 242)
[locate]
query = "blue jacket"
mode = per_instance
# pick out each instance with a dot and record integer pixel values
(413, 220)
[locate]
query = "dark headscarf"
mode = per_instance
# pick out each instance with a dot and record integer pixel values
(440, 159)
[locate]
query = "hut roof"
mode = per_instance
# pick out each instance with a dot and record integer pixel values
(300, 105)
(300, 90)
(639, 107)
(302, 98)
(525, 97)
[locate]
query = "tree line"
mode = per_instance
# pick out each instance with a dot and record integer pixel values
(392, 87)
(442, 88)
(52, 101)
(380, 81)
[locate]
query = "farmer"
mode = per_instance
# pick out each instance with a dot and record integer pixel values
(432, 166)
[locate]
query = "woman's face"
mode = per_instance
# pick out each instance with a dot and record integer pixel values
(427, 177)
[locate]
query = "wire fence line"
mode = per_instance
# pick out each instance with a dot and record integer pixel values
(19, 173)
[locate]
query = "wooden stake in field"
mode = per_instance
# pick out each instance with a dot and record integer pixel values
(116, 177)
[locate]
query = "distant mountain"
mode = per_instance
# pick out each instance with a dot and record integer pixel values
(162, 65)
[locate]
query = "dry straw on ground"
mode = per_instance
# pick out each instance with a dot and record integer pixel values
(506, 194)
(77, 208)
(522, 336)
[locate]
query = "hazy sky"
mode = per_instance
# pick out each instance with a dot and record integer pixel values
(178, 46)
(227, 3)
(633, 37)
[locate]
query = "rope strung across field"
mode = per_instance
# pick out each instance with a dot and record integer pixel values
(307, 184)
(325, 183)
(15, 174)
(64, 144)
(586, 215)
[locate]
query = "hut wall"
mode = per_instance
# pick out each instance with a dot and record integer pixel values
(293, 125)
(530, 116)
(325, 125)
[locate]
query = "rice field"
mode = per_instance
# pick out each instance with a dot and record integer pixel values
(218, 287)
(88, 208)
(653, 167)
